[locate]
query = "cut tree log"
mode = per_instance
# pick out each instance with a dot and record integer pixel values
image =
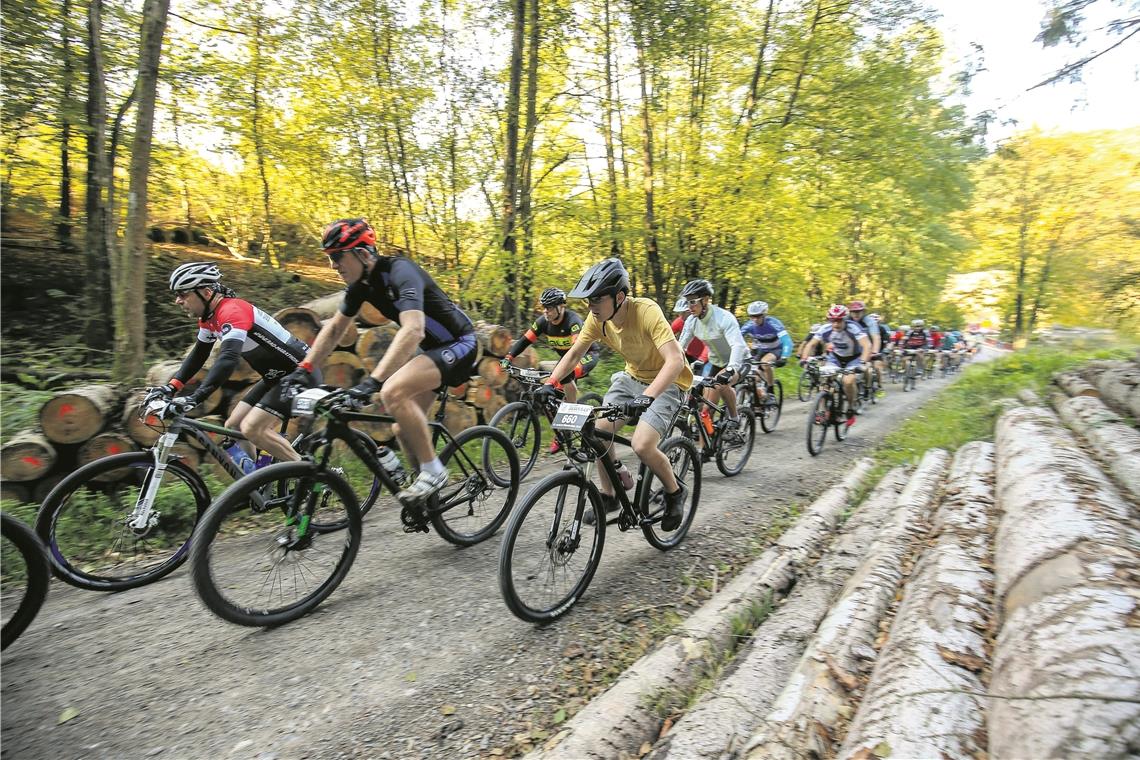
(143, 432)
(342, 369)
(373, 343)
(75, 415)
(15, 492)
(491, 373)
(369, 315)
(27, 456)
(496, 340)
(1074, 385)
(1066, 561)
(303, 324)
(105, 445)
(1113, 441)
(348, 338)
(807, 713)
(925, 697)
(1119, 386)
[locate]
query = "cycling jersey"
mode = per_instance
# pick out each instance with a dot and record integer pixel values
(769, 337)
(872, 328)
(697, 350)
(914, 339)
(720, 332)
(397, 284)
(844, 343)
(948, 341)
(559, 336)
(639, 341)
(935, 339)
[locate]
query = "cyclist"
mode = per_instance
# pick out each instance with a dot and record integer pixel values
(847, 346)
(697, 353)
(652, 382)
(721, 333)
(770, 340)
(818, 350)
(246, 332)
(407, 295)
(870, 325)
(916, 339)
(561, 328)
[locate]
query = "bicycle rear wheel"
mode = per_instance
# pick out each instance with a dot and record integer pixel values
(736, 445)
(686, 465)
(84, 522)
(593, 399)
(483, 481)
(805, 386)
(549, 552)
(267, 566)
(772, 407)
(817, 423)
(519, 424)
(24, 577)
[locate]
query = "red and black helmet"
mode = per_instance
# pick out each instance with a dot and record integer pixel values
(837, 311)
(857, 306)
(346, 234)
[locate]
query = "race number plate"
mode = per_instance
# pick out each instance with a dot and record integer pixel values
(571, 416)
(530, 374)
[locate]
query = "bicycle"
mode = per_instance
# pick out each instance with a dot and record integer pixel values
(287, 550)
(829, 409)
(808, 384)
(911, 371)
(705, 424)
(521, 420)
(560, 545)
(895, 366)
(752, 391)
(126, 520)
(23, 581)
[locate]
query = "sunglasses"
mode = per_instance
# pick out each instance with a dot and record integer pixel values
(184, 292)
(693, 301)
(336, 256)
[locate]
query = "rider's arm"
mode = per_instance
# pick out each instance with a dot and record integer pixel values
(786, 345)
(688, 331)
(866, 344)
(224, 366)
(235, 317)
(873, 334)
(194, 360)
(537, 327)
(738, 349)
(809, 348)
(674, 364)
(328, 338)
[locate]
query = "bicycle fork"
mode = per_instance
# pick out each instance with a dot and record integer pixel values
(143, 516)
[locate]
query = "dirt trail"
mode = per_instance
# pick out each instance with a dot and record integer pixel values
(414, 655)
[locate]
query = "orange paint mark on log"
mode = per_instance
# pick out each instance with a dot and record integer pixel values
(115, 448)
(33, 461)
(66, 409)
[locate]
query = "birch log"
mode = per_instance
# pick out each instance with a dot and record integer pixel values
(1119, 387)
(1075, 385)
(926, 697)
(1066, 670)
(1115, 443)
(77, 414)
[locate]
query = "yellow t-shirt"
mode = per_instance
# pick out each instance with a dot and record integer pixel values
(645, 330)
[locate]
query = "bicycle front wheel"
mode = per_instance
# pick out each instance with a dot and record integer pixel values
(483, 481)
(261, 564)
(805, 387)
(736, 445)
(518, 423)
(817, 423)
(24, 577)
(549, 552)
(344, 461)
(98, 537)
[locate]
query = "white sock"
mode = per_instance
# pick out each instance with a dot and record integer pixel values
(434, 467)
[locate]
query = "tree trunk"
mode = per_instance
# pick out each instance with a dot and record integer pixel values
(510, 162)
(753, 96)
(63, 223)
(608, 137)
(97, 281)
(260, 150)
(653, 258)
(526, 180)
(130, 322)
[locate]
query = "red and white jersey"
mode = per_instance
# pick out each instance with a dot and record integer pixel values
(266, 345)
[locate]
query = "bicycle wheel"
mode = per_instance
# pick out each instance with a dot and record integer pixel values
(839, 419)
(84, 522)
(518, 423)
(805, 386)
(24, 577)
(593, 399)
(344, 461)
(549, 553)
(264, 567)
(772, 408)
(745, 395)
(817, 423)
(483, 481)
(736, 445)
(685, 463)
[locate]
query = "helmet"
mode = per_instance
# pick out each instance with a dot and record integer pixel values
(917, 323)
(695, 288)
(837, 311)
(194, 275)
(681, 305)
(602, 279)
(936, 328)
(345, 234)
(857, 306)
(875, 317)
(552, 297)
(757, 308)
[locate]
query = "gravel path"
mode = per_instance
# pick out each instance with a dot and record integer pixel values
(415, 655)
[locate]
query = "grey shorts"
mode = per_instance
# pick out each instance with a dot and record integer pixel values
(660, 414)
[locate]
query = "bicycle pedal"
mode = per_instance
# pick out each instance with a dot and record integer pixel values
(413, 520)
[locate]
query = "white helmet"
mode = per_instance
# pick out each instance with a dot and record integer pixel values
(916, 323)
(194, 275)
(682, 305)
(757, 308)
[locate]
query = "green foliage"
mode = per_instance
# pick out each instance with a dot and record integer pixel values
(19, 408)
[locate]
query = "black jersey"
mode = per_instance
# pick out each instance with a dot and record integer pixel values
(397, 284)
(561, 337)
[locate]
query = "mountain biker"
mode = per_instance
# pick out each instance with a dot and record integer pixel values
(561, 326)
(771, 343)
(245, 332)
(721, 333)
(870, 325)
(652, 382)
(697, 353)
(847, 346)
(429, 321)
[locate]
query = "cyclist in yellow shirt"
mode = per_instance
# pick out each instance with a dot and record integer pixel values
(652, 382)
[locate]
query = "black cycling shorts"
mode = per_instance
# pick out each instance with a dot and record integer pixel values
(456, 360)
(266, 394)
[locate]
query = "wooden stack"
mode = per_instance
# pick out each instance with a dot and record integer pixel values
(89, 422)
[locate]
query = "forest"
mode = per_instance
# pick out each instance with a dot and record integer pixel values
(796, 151)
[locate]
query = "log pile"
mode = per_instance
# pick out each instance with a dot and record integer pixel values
(92, 421)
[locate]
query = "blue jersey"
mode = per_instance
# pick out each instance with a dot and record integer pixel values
(769, 337)
(845, 342)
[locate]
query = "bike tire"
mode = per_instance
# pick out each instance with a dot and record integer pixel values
(550, 541)
(839, 420)
(518, 423)
(490, 476)
(805, 387)
(593, 399)
(686, 464)
(817, 423)
(37, 574)
(365, 481)
(207, 550)
(89, 497)
(748, 429)
(770, 413)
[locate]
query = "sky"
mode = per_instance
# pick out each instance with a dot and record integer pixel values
(1108, 97)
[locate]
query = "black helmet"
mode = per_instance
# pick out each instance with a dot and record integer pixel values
(604, 279)
(697, 288)
(552, 297)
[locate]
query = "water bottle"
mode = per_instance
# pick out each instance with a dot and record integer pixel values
(263, 461)
(391, 463)
(242, 459)
(625, 476)
(706, 420)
